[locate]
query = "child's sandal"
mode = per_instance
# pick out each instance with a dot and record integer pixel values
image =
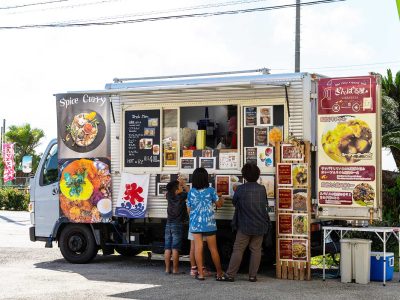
(193, 271)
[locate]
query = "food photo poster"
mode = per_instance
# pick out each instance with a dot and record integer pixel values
(348, 137)
(83, 122)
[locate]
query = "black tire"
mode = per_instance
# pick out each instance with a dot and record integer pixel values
(127, 251)
(77, 244)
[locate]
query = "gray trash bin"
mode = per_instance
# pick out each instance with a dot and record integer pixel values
(355, 262)
(361, 253)
(346, 268)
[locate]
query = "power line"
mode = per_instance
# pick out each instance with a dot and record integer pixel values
(173, 17)
(187, 8)
(32, 4)
(343, 67)
(59, 7)
(361, 65)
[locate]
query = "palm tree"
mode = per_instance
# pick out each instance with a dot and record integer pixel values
(26, 140)
(391, 114)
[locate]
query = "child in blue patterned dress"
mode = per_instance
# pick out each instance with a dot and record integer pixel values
(201, 201)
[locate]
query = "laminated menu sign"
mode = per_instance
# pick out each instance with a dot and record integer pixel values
(250, 155)
(300, 197)
(347, 137)
(285, 249)
(228, 160)
(188, 163)
(142, 139)
(285, 198)
(284, 172)
(268, 181)
(285, 224)
(291, 152)
(222, 184)
(300, 175)
(293, 249)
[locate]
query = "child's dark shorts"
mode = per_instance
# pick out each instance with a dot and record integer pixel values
(173, 236)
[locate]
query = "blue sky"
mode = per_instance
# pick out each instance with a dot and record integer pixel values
(338, 39)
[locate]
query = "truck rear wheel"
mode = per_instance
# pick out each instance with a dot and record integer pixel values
(77, 244)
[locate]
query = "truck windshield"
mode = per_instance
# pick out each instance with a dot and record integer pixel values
(50, 167)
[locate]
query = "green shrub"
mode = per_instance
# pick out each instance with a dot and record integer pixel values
(13, 199)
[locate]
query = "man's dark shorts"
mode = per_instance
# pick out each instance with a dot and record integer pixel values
(173, 236)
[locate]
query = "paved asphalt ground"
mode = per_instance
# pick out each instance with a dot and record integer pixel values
(30, 271)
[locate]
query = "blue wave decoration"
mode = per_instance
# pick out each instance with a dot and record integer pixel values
(133, 212)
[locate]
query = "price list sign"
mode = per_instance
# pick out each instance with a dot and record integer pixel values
(142, 139)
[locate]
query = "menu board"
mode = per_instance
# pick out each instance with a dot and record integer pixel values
(293, 208)
(285, 225)
(142, 138)
(285, 198)
(293, 249)
(188, 163)
(284, 174)
(347, 137)
(222, 184)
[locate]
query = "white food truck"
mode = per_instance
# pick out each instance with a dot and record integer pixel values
(157, 129)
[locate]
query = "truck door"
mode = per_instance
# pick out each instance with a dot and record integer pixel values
(46, 192)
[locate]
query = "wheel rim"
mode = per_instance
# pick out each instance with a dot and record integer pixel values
(77, 243)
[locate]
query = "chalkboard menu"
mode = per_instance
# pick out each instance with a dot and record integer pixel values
(142, 138)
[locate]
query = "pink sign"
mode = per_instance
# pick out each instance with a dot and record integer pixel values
(8, 160)
(347, 95)
(344, 173)
(335, 198)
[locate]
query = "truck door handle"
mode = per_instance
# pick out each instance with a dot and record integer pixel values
(55, 191)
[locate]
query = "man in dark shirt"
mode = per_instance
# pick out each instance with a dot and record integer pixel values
(250, 221)
(176, 195)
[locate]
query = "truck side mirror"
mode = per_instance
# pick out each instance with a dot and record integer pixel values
(27, 164)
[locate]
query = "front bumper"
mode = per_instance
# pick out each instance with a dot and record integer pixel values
(32, 234)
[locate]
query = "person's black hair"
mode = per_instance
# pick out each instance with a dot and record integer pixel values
(172, 187)
(200, 179)
(232, 111)
(250, 172)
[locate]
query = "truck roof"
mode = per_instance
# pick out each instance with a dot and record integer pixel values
(194, 81)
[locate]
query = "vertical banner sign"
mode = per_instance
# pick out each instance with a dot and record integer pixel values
(83, 122)
(132, 197)
(8, 161)
(347, 145)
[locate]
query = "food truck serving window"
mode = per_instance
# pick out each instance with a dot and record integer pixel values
(216, 137)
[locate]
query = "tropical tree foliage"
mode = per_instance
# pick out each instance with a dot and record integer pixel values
(391, 114)
(26, 141)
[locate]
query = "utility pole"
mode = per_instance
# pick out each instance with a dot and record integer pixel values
(3, 135)
(297, 42)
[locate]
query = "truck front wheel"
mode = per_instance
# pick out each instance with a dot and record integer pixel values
(77, 244)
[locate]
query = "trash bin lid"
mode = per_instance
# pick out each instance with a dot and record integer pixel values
(344, 241)
(361, 241)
